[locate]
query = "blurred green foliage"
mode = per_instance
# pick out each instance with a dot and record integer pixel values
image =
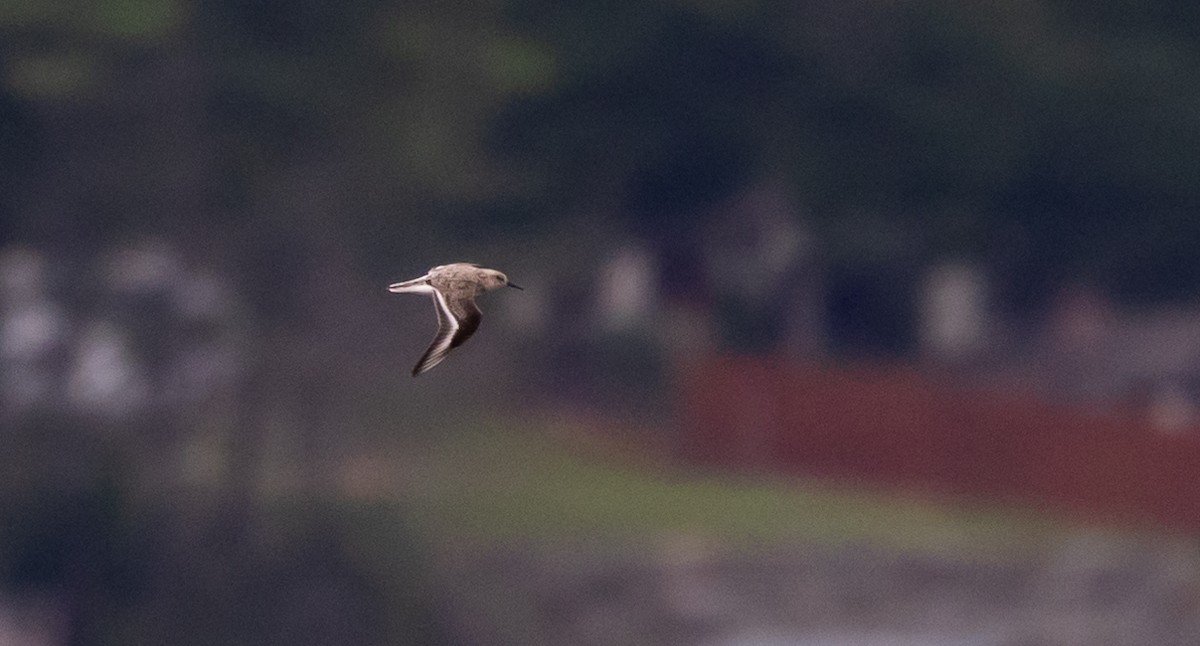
(1055, 140)
(513, 485)
(127, 567)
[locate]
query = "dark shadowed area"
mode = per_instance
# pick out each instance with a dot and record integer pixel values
(843, 322)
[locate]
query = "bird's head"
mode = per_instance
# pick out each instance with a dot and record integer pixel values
(493, 279)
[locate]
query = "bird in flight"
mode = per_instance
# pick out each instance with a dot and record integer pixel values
(454, 288)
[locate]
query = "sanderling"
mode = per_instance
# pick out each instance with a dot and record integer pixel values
(454, 288)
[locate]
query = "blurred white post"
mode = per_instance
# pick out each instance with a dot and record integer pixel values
(953, 312)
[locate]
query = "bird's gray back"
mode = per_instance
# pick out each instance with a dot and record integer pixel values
(456, 288)
(458, 281)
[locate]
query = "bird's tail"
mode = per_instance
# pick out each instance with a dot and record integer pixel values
(415, 285)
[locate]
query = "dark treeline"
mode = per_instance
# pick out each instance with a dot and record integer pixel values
(1055, 140)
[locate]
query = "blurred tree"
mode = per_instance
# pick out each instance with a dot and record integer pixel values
(19, 143)
(1064, 129)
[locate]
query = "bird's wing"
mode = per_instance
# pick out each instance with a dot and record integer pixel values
(419, 285)
(467, 313)
(452, 331)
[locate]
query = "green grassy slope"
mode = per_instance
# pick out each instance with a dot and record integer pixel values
(504, 484)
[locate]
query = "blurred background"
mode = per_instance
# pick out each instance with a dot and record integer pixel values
(858, 322)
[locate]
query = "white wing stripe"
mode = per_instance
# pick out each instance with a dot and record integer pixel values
(447, 329)
(416, 285)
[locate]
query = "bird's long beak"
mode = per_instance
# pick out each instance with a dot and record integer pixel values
(516, 286)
